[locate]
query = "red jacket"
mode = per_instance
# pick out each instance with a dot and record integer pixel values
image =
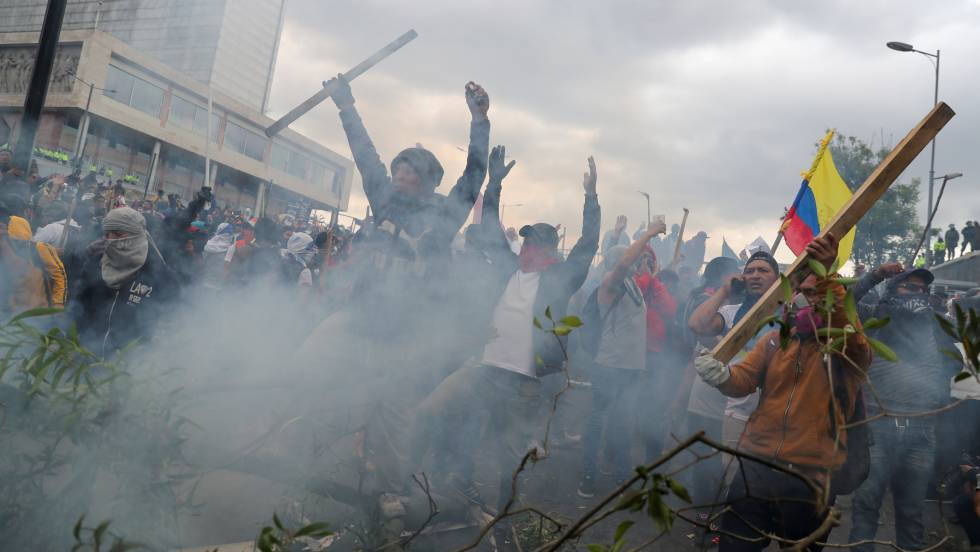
(660, 307)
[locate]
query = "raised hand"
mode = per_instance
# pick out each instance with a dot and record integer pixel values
(589, 178)
(888, 270)
(824, 250)
(620, 224)
(498, 170)
(477, 100)
(342, 95)
(656, 227)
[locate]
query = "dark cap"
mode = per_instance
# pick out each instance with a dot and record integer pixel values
(542, 234)
(921, 273)
(424, 163)
(765, 257)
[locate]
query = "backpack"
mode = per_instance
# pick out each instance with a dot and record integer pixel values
(849, 476)
(593, 322)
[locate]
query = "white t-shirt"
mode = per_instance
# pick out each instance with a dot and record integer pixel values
(512, 345)
(51, 233)
(742, 407)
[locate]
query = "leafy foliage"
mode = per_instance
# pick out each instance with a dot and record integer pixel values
(93, 539)
(966, 331)
(650, 498)
(890, 230)
(278, 538)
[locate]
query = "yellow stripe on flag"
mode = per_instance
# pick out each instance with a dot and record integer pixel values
(830, 193)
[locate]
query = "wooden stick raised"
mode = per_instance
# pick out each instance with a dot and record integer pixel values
(680, 241)
(848, 216)
(350, 75)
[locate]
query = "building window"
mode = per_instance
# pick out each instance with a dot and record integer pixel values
(317, 172)
(335, 185)
(254, 145)
(132, 91)
(182, 113)
(279, 157)
(297, 165)
(119, 85)
(234, 137)
(147, 98)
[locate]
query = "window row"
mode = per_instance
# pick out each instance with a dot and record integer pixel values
(148, 98)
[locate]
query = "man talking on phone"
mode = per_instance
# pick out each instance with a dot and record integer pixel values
(720, 312)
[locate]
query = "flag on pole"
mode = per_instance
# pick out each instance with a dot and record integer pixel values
(821, 195)
(727, 251)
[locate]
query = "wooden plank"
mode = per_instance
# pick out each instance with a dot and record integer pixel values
(327, 91)
(680, 241)
(848, 216)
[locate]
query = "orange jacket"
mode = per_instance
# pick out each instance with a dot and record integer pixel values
(793, 422)
(47, 283)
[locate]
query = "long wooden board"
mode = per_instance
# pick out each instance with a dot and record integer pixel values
(849, 215)
(326, 91)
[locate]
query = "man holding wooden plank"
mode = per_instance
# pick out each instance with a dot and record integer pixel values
(799, 415)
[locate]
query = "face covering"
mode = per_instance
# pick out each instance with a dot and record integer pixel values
(122, 258)
(807, 321)
(912, 303)
(535, 259)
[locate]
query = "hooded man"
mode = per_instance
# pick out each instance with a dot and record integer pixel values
(801, 416)
(405, 205)
(297, 255)
(534, 285)
(903, 448)
(216, 255)
(130, 287)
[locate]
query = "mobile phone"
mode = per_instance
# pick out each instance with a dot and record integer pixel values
(738, 286)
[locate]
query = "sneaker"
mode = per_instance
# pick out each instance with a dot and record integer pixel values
(586, 489)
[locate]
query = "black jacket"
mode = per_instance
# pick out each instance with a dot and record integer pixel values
(558, 282)
(109, 319)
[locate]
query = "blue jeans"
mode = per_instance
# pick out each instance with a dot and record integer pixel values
(902, 458)
(613, 390)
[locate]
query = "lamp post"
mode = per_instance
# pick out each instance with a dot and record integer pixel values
(904, 47)
(647, 196)
(83, 125)
(925, 235)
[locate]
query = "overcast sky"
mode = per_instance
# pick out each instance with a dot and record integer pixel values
(713, 106)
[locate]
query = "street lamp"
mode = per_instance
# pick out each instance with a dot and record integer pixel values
(83, 125)
(647, 196)
(925, 235)
(905, 47)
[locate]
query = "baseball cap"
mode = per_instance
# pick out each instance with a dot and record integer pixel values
(540, 234)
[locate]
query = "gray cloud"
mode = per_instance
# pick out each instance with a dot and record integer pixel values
(707, 105)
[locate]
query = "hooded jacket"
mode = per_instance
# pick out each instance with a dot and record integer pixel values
(558, 281)
(796, 421)
(46, 283)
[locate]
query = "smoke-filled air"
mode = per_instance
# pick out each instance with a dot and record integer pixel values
(364, 276)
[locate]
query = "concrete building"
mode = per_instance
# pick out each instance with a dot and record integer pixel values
(148, 125)
(230, 43)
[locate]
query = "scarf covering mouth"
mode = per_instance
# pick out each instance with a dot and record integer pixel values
(123, 257)
(299, 248)
(223, 239)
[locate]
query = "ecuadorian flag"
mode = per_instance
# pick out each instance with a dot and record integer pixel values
(821, 195)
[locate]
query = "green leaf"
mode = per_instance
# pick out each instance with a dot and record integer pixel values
(572, 321)
(537, 323)
(876, 323)
(77, 530)
(679, 490)
(882, 350)
(850, 308)
(31, 313)
(100, 531)
(847, 282)
(953, 354)
(786, 288)
(538, 360)
(314, 529)
(962, 376)
(596, 548)
(621, 530)
(817, 267)
(276, 521)
(562, 331)
(547, 312)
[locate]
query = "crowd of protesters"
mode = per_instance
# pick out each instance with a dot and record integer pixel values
(649, 305)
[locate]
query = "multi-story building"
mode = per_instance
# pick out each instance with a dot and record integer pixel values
(149, 121)
(231, 44)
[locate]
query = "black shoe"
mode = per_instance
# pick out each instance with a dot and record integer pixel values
(586, 489)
